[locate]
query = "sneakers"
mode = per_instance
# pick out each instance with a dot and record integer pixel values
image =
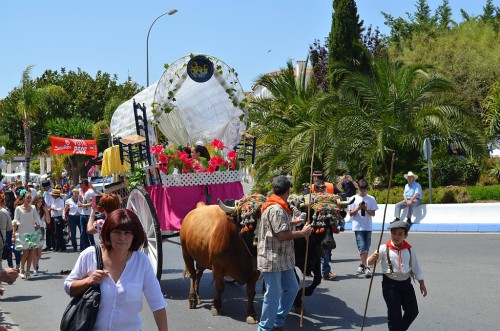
(361, 270)
(368, 272)
(34, 273)
(408, 221)
(330, 276)
(395, 220)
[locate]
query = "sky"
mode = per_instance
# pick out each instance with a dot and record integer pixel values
(252, 36)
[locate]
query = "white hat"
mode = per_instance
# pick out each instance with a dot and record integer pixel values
(410, 174)
(199, 143)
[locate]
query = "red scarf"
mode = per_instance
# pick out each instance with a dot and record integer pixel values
(405, 245)
(85, 189)
(275, 200)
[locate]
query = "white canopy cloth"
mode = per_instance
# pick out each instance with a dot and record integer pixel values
(123, 121)
(187, 111)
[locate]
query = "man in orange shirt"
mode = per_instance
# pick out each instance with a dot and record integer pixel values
(330, 188)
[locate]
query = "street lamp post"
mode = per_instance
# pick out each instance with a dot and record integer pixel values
(170, 12)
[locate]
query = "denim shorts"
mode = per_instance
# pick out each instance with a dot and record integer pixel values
(363, 240)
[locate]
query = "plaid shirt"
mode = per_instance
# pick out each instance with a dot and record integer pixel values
(272, 254)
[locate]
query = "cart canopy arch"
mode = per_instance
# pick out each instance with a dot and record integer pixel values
(197, 98)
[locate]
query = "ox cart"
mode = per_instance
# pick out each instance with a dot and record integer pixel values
(198, 98)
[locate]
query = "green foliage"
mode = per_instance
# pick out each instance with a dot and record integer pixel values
(452, 194)
(492, 115)
(495, 172)
(453, 170)
(136, 178)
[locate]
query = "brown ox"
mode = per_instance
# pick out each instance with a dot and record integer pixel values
(212, 238)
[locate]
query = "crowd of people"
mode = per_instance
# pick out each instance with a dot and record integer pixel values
(31, 218)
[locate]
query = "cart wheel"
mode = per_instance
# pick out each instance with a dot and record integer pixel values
(140, 202)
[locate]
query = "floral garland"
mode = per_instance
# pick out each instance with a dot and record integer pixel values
(250, 206)
(171, 158)
(326, 211)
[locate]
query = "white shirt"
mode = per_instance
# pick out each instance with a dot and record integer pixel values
(121, 302)
(57, 207)
(48, 197)
(400, 272)
(26, 221)
(73, 207)
(359, 222)
(87, 198)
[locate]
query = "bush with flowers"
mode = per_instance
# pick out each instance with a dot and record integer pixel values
(171, 158)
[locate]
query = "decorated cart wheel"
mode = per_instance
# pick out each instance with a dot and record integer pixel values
(140, 202)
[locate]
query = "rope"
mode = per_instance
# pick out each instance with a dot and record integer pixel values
(379, 241)
(307, 239)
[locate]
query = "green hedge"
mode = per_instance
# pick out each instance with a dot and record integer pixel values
(453, 194)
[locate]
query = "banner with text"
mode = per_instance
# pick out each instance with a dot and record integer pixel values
(73, 146)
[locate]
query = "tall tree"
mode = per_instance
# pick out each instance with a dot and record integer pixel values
(29, 105)
(344, 40)
(492, 116)
(444, 16)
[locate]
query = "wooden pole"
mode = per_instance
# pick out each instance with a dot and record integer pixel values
(379, 240)
(307, 239)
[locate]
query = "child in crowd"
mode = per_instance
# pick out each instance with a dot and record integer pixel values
(399, 265)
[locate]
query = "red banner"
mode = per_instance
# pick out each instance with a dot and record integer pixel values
(73, 146)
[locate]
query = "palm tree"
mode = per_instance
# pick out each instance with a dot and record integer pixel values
(32, 100)
(103, 126)
(280, 123)
(394, 110)
(492, 116)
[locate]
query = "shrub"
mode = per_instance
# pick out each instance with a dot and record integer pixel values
(485, 193)
(452, 170)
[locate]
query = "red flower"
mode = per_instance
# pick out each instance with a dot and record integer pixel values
(232, 154)
(216, 161)
(211, 168)
(163, 158)
(217, 144)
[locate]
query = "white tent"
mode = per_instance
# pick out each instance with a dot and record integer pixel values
(187, 111)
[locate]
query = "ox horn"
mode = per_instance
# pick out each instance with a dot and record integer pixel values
(227, 209)
(346, 203)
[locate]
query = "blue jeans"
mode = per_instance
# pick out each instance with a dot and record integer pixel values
(281, 289)
(74, 222)
(86, 239)
(402, 205)
(17, 254)
(363, 240)
(325, 263)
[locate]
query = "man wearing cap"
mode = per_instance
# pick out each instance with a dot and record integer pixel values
(412, 197)
(50, 239)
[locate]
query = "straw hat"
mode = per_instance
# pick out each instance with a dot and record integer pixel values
(56, 193)
(411, 174)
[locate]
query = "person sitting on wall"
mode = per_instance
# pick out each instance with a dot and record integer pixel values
(412, 197)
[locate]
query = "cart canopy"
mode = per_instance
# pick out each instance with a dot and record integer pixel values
(198, 98)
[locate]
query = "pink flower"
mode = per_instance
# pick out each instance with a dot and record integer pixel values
(217, 144)
(158, 149)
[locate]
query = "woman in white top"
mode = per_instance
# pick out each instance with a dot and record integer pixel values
(39, 203)
(126, 276)
(25, 224)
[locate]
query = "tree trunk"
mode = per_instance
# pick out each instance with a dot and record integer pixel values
(27, 152)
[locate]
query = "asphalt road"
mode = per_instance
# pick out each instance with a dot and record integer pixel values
(461, 270)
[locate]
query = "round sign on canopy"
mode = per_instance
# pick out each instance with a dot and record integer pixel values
(200, 69)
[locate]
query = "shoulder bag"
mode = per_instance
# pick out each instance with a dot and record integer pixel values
(81, 312)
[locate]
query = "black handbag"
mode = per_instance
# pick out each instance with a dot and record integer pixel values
(5, 252)
(81, 312)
